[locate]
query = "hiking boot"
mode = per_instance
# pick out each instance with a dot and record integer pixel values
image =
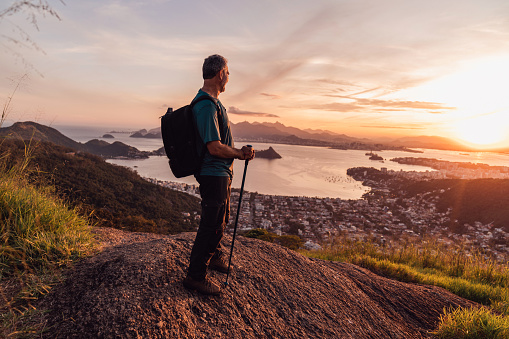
(204, 286)
(218, 264)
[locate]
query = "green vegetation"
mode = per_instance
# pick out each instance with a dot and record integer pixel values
(49, 195)
(37, 228)
(472, 323)
(470, 200)
(115, 196)
(483, 200)
(472, 277)
(292, 242)
(40, 235)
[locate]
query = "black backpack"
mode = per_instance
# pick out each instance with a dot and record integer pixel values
(181, 138)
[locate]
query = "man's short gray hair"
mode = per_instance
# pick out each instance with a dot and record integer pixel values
(213, 65)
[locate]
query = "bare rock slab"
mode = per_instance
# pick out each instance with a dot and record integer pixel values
(133, 289)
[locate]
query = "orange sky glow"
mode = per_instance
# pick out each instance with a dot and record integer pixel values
(362, 68)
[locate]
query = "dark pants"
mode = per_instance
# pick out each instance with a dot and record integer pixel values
(215, 212)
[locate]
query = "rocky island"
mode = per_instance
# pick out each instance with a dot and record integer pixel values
(154, 133)
(374, 156)
(268, 154)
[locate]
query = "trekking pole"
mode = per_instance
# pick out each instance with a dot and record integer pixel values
(236, 220)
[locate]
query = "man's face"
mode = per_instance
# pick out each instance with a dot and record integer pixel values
(225, 76)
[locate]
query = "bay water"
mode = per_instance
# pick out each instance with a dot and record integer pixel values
(302, 171)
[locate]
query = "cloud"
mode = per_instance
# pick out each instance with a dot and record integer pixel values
(235, 110)
(340, 107)
(367, 91)
(378, 105)
(275, 62)
(392, 127)
(403, 104)
(335, 82)
(273, 96)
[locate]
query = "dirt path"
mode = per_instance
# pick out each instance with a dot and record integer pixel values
(132, 289)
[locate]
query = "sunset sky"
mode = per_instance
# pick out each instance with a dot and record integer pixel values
(358, 67)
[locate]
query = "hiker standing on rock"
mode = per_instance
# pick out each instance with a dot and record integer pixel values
(215, 177)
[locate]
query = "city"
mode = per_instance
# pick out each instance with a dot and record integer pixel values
(381, 217)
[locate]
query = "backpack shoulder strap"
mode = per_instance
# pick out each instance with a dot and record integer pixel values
(218, 111)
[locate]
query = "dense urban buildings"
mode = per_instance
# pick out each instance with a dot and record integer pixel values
(385, 217)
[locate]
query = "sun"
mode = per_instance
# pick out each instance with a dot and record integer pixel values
(477, 91)
(484, 130)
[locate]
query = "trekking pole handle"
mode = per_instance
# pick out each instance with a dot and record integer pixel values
(249, 147)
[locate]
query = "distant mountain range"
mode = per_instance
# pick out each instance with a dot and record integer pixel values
(256, 132)
(279, 133)
(274, 132)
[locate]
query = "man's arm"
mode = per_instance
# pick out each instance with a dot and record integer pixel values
(217, 149)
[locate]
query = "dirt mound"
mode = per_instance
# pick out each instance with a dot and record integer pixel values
(133, 289)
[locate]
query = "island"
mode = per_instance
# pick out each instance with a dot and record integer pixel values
(154, 133)
(108, 136)
(115, 150)
(268, 154)
(374, 156)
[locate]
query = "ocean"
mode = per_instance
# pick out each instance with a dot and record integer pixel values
(302, 171)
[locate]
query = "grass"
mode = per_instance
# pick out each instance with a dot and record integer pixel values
(472, 323)
(472, 276)
(37, 229)
(40, 235)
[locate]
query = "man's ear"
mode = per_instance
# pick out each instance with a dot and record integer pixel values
(221, 75)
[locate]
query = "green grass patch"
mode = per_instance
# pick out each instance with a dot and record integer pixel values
(292, 242)
(472, 324)
(463, 271)
(40, 235)
(480, 292)
(38, 230)
(428, 257)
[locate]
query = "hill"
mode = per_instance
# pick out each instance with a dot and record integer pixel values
(482, 200)
(154, 133)
(133, 289)
(33, 131)
(116, 149)
(432, 142)
(118, 196)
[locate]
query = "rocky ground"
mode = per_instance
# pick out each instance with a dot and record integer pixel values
(133, 289)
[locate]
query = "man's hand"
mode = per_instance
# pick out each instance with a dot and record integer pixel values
(217, 149)
(248, 153)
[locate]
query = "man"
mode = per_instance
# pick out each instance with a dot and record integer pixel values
(214, 178)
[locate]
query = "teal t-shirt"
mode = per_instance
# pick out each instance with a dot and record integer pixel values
(208, 127)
